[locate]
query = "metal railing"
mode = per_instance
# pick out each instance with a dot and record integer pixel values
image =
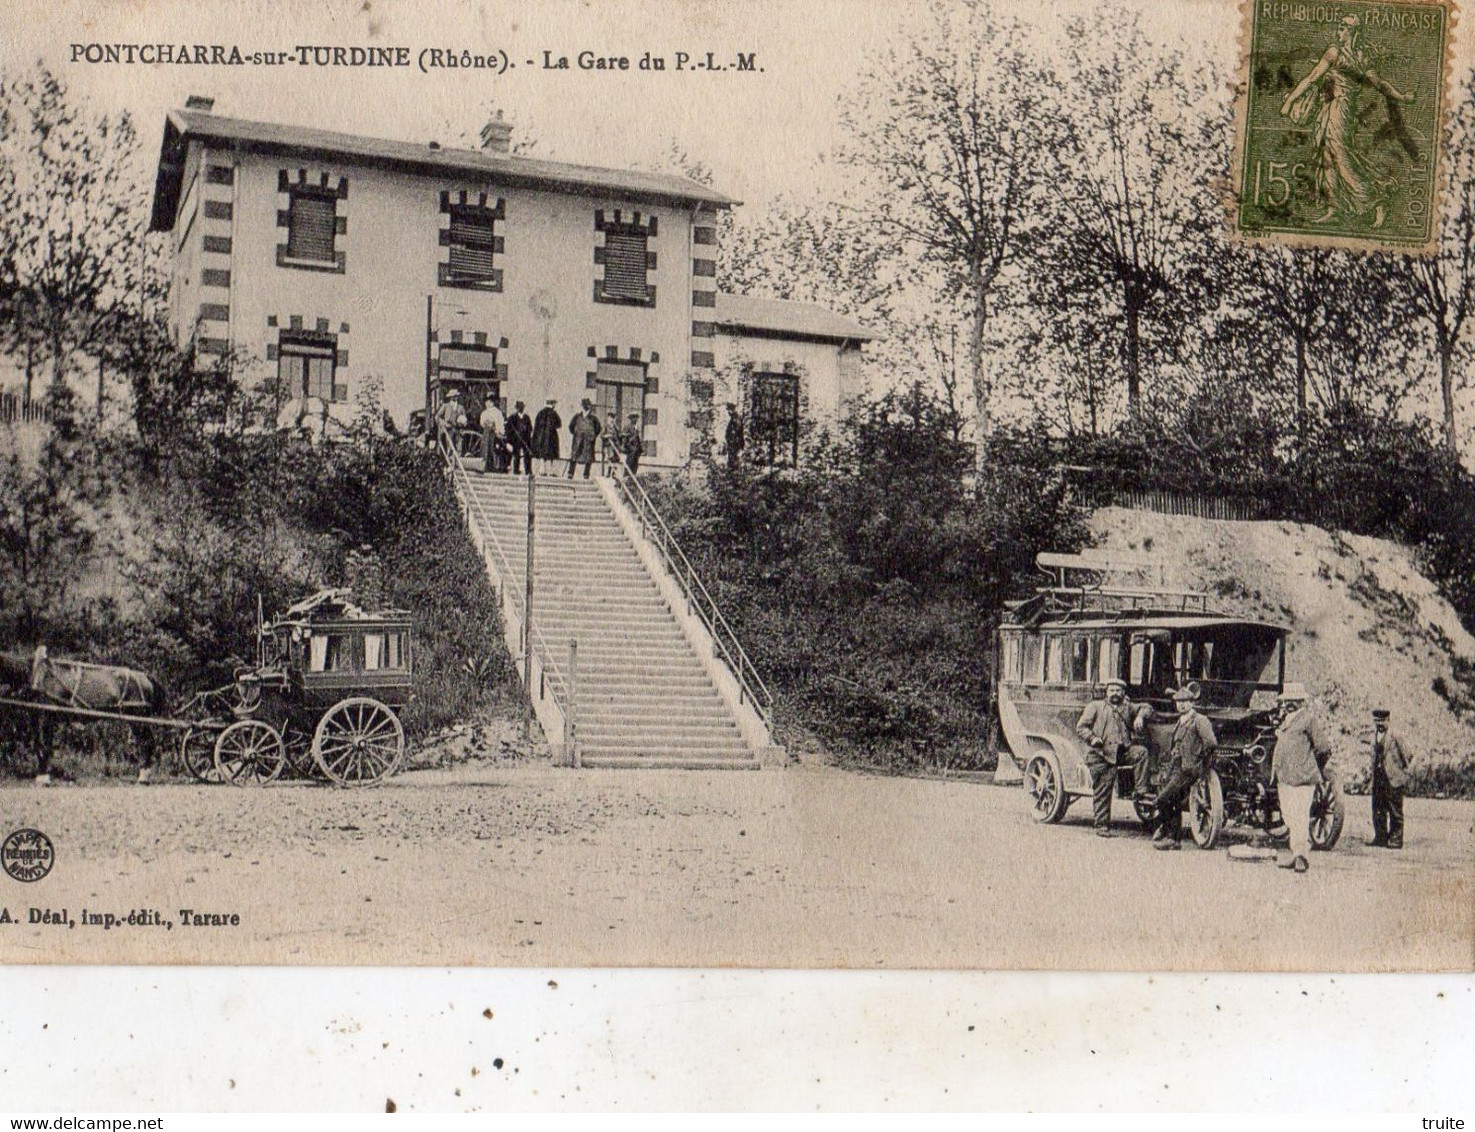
(557, 680)
(698, 601)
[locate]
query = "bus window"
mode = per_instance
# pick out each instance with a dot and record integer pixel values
(1031, 671)
(1055, 655)
(374, 644)
(1079, 659)
(1108, 659)
(1009, 658)
(395, 652)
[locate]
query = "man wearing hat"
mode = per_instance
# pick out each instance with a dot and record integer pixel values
(452, 417)
(545, 437)
(1302, 747)
(1108, 727)
(1390, 779)
(632, 442)
(520, 440)
(1192, 739)
(583, 431)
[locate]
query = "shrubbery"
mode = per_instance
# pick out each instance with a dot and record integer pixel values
(151, 547)
(867, 583)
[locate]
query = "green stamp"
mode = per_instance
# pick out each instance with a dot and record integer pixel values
(1340, 122)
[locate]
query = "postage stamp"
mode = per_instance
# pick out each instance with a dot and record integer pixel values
(1339, 140)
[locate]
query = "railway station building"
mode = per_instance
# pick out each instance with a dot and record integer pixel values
(336, 263)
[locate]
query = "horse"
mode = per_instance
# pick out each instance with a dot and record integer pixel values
(93, 687)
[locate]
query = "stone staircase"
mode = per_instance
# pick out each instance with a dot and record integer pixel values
(643, 697)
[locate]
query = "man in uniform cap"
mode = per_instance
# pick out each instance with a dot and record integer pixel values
(1302, 748)
(1390, 779)
(1188, 747)
(1108, 727)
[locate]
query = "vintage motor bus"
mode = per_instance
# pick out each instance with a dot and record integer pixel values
(1056, 650)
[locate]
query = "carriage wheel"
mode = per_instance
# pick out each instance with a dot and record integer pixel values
(358, 742)
(249, 753)
(197, 753)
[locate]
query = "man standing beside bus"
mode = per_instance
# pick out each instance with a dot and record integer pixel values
(1390, 779)
(1188, 748)
(1109, 727)
(1302, 748)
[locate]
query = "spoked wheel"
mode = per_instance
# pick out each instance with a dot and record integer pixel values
(358, 742)
(1206, 810)
(197, 753)
(1327, 815)
(1046, 790)
(249, 753)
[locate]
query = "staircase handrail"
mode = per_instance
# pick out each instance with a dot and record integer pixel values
(447, 445)
(697, 596)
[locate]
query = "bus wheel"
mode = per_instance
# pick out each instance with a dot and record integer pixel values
(1327, 815)
(1145, 809)
(1206, 810)
(1046, 789)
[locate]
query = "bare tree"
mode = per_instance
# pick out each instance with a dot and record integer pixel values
(949, 129)
(1442, 287)
(1134, 202)
(72, 208)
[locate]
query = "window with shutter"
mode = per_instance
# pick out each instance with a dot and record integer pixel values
(306, 366)
(472, 242)
(312, 227)
(625, 265)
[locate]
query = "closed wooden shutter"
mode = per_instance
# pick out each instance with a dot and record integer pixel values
(624, 264)
(472, 244)
(313, 224)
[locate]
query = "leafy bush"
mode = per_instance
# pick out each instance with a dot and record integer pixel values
(161, 566)
(866, 584)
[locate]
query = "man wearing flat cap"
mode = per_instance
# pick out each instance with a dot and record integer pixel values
(1390, 779)
(1109, 727)
(1302, 747)
(1188, 749)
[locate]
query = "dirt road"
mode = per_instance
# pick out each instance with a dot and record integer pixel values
(809, 867)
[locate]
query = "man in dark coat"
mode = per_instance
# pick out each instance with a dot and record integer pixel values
(733, 439)
(583, 432)
(1188, 748)
(520, 440)
(1111, 728)
(632, 441)
(545, 437)
(1390, 779)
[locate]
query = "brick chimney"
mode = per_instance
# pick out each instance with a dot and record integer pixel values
(496, 135)
(199, 102)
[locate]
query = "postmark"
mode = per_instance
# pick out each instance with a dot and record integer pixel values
(1339, 125)
(27, 855)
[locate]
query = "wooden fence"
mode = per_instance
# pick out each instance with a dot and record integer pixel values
(15, 408)
(1183, 503)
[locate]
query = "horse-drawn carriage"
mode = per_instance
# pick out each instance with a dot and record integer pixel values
(322, 698)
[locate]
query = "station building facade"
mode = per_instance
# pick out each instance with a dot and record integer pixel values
(336, 263)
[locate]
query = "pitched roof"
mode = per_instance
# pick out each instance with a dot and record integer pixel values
(269, 137)
(781, 318)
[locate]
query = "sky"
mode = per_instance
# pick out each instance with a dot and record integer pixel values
(763, 132)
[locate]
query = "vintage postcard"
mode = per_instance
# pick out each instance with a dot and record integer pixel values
(760, 485)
